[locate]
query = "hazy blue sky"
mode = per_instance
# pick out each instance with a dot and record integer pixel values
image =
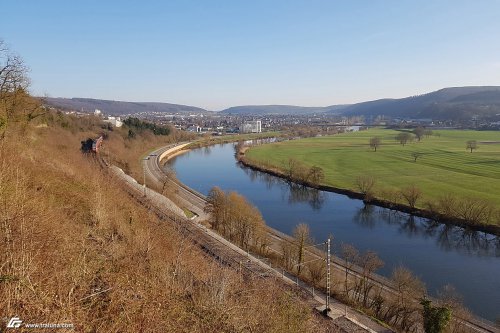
(216, 54)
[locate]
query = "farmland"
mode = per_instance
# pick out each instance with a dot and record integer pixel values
(444, 166)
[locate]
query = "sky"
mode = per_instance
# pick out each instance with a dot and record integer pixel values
(216, 54)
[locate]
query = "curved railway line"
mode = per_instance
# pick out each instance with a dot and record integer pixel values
(229, 254)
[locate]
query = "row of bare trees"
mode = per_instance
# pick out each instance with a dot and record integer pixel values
(297, 171)
(407, 307)
(469, 209)
(410, 194)
(359, 288)
(236, 219)
(403, 137)
(293, 253)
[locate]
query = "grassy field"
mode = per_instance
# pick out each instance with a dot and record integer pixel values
(445, 166)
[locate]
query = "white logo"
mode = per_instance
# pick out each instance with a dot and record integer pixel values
(14, 322)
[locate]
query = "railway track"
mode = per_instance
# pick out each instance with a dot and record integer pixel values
(211, 243)
(226, 253)
(199, 200)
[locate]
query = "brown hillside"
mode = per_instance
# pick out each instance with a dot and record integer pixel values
(77, 249)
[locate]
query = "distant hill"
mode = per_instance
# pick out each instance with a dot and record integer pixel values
(447, 103)
(118, 107)
(280, 109)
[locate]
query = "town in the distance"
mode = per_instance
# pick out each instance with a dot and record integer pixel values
(459, 108)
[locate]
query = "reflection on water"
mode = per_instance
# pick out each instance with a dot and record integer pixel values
(448, 237)
(437, 253)
(207, 150)
(300, 193)
(295, 193)
(365, 216)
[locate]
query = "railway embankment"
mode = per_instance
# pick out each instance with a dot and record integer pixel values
(338, 263)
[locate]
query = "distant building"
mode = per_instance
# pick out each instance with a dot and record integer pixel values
(115, 121)
(194, 128)
(97, 112)
(254, 126)
(352, 128)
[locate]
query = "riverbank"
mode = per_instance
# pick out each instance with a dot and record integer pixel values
(202, 169)
(210, 141)
(488, 228)
(356, 316)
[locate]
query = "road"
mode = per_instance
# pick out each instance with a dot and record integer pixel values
(187, 197)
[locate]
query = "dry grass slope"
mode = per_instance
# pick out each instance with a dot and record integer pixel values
(77, 249)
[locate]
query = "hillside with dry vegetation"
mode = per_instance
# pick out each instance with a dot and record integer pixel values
(76, 248)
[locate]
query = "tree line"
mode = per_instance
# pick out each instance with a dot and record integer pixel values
(236, 219)
(469, 209)
(418, 133)
(295, 170)
(140, 125)
(407, 308)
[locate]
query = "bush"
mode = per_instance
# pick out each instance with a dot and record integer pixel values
(411, 194)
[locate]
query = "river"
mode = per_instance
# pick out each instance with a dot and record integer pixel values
(437, 254)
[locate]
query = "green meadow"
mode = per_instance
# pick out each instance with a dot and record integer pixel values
(444, 167)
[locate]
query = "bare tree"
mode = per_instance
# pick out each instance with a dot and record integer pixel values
(291, 167)
(316, 175)
(403, 138)
(419, 133)
(375, 142)
(169, 176)
(13, 71)
(447, 205)
(405, 312)
(236, 219)
(302, 238)
(369, 262)
(295, 170)
(365, 185)
(474, 210)
(351, 257)
(217, 208)
(471, 145)
(16, 105)
(411, 194)
(289, 254)
(449, 297)
(416, 155)
(317, 271)
(245, 220)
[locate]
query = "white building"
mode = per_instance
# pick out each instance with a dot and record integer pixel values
(115, 121)
(194, 128)
(254, 126)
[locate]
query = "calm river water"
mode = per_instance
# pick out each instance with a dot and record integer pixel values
(439, 255)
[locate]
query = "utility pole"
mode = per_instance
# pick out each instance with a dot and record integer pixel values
(327, 307)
